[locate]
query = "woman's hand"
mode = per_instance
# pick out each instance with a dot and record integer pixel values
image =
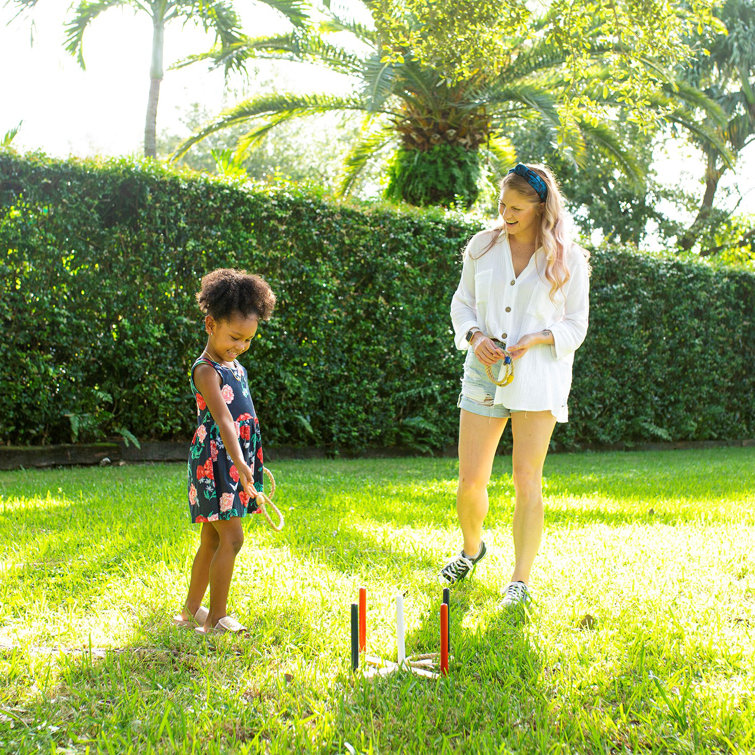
(520, 348)
(485, 350)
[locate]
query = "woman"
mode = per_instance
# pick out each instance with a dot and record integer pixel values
(524, 287)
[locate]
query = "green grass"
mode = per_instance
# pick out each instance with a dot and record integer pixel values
(641, 639)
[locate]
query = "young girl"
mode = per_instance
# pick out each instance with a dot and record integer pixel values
(225, 462)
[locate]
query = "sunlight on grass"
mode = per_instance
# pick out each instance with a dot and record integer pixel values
(641, 637)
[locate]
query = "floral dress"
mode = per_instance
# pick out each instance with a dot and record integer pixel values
(215, 491)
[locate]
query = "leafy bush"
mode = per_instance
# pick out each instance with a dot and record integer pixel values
(444, 174)
(100, 262)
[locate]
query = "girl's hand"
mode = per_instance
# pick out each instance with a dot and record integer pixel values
(520, 348)
(485, 350)
(246, 478)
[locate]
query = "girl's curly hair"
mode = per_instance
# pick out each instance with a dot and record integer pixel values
(226, 291)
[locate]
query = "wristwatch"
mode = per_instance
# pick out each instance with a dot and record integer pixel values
(470, 334)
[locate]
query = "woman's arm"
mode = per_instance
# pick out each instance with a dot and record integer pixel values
(570, 332)
(207, 382)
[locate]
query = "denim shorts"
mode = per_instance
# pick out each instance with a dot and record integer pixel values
(478, 390)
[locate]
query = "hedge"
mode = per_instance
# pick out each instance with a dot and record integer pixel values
(101, 260)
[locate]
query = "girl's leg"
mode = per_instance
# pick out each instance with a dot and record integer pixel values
(532, 433)
(200, 570)
(478, 441)
(231, 536)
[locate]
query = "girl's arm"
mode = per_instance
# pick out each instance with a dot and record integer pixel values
(207, 383)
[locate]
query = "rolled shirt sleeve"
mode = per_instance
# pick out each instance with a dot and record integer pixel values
(569, 332)
(463, 307)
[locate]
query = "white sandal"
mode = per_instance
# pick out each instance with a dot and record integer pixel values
(199, 619)
(226, 625)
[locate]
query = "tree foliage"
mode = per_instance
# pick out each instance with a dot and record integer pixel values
(414, 104)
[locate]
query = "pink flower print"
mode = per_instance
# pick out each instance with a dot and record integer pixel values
(201, 433)
(226, 501)
(213, 518)
(193, 495)
(227, 393)
(234, 473)
(213, 450)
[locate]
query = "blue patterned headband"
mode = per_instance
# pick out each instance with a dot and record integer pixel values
(532, 179)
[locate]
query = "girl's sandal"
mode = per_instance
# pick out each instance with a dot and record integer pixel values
(226, 625)
(199, 619)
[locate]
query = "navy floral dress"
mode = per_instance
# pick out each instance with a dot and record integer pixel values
(214, 488)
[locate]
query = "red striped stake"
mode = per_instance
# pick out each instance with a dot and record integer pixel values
(354, 637)
(362, 619)
(447, 601)
(444, 639)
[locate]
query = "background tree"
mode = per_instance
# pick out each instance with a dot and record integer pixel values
(440, 121)
(727, 75)
(216, 16)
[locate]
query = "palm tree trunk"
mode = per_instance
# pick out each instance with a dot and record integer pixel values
(155, 79)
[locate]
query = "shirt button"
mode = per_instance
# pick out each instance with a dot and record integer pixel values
(508, 309)
(513, 282)
(504, 336)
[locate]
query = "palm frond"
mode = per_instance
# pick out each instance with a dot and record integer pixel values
(534, 97)
(698, 99)
(295, 11)
(501, 148)
(84, 14)
(608, 141)
(274, 109)
(296, 46)
(379, 80)
(373, 138)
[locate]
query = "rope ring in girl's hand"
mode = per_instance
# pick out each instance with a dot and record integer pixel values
(265, 501)
(505, 375)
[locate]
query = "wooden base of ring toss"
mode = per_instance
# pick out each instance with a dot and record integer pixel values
(429, 665)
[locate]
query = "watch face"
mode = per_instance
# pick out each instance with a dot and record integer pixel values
(469, 335)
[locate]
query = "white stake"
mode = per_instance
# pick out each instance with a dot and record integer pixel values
(400, 628)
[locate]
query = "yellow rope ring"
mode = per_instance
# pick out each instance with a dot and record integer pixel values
(506, 374)
(265, 501)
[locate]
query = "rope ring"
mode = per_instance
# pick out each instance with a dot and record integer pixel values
(264, 501)
(508, 366)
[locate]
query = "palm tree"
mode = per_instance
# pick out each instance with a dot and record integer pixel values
(727, 76)
(216, 16)
(439, 130)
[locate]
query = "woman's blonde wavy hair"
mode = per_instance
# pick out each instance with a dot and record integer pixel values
(554, 234)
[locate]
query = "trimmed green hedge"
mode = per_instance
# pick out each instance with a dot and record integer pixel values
(100, 263)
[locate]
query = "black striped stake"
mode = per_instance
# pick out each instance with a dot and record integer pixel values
(447, 601)
(354, 636)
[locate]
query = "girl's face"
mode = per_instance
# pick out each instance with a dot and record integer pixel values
(520, 214)
(230, 338)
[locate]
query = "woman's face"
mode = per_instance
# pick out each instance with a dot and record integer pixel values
(520, 214)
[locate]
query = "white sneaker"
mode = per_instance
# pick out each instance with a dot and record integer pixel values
(516, 594)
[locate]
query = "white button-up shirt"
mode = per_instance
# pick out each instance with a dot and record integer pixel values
(506, 306)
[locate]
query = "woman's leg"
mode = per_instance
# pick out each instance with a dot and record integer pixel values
(532, 433)
(478, 441)
(231, 538)
(200, 570)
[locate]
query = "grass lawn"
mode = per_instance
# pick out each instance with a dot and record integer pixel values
(642, 638)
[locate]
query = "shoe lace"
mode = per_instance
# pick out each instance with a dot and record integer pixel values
(459, 565)
(516, 591)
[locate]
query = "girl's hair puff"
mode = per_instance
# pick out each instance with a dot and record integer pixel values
(226, 291)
